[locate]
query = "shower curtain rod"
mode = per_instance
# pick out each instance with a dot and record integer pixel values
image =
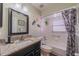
(59, 11)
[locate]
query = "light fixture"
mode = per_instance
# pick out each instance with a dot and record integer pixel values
(41, 5)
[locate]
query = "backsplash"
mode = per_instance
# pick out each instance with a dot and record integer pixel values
(19, 37)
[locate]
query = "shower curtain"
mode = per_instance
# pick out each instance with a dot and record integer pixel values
(69, 17)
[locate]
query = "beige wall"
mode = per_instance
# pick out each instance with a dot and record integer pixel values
(33, 14)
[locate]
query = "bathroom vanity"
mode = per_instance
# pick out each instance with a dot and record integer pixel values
(29, 47)
(31, 50)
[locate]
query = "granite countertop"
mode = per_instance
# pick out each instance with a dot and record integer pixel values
(10, 48)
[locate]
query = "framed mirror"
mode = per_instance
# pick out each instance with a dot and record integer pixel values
(1, 13)
(18, 23)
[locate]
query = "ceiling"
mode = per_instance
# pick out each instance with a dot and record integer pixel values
(49, 8)
(45, 6)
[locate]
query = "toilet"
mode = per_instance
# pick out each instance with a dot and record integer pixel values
(45, 50)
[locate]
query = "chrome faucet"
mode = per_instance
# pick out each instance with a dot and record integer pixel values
(22, 38)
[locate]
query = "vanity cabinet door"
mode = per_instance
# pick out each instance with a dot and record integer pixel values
(35, 50)
(37, 53)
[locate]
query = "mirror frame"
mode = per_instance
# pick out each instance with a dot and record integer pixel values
(10, 23)
(1, 14)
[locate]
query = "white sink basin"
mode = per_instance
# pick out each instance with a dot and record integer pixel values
(24, 41)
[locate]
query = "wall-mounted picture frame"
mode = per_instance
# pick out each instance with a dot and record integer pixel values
(18, 23)
(1, 13)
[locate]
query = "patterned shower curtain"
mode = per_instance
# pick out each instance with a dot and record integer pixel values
(69, 17)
